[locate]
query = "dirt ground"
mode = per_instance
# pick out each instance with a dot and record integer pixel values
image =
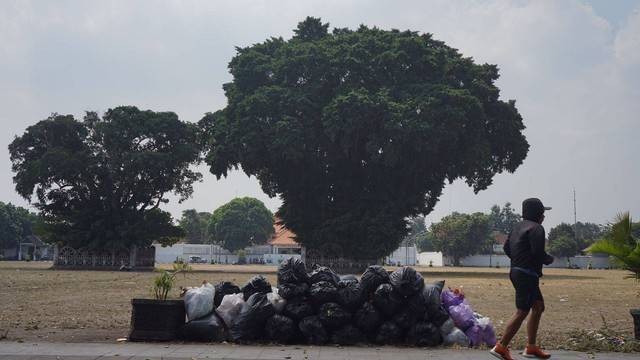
(94, 306)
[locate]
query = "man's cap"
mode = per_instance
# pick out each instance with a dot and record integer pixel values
(532, 208)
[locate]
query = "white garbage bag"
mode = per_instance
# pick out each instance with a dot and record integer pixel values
(230, 307)
(198, 302)
(276, 300)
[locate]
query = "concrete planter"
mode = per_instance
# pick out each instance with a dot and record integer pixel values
(156, 320)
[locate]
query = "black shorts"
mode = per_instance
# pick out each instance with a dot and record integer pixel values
(527, 289)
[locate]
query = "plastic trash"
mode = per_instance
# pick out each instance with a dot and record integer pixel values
(230, 307)
(209, 328)
(462, 316)
(313, 331)
(292, 271)
(368, 318)
(289, 291)
(249, 323)
(323, 292)
(451, 298)
(406, 281)
(257, 284)
(373, 277)
(280, 329)
(456, 337)
(389, 333)
(439, 317)
(198, 302)
(432, 296)
(323, 273)
(424, 334)
(349, 295)
(277, 301)
(224, 288)
(349, 278)
(447, 327)
(333, 316)
(348, 335)
(487, 331)
(405, 319)
(298, 308)
(386, 300)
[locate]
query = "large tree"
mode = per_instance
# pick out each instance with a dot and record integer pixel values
(241, 222)
(356, 131)
(99, 182)
(566, 240)
(195, 225)
(459, 235)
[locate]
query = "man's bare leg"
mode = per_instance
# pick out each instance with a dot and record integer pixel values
(513, 326)
(534, 321)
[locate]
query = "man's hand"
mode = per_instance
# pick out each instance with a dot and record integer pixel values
(548, 259)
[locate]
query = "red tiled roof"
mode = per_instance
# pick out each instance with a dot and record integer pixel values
(282, 236)
(500, 237)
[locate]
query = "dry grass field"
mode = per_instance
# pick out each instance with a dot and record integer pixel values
(51, 305)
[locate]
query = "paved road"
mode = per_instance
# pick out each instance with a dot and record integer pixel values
(151, 351)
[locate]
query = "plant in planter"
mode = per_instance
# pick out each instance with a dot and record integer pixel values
(157, 319)
(620, 244)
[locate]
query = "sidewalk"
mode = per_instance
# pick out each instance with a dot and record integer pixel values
(152, 351)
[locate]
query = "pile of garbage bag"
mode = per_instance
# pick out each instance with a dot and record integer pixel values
(321, 307)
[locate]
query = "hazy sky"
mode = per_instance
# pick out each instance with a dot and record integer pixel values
(572, 66)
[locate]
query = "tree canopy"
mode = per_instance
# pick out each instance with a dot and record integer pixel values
(99, 182)
(503, 219)
(240, 223)
(195, 225)
(459, 235)
(358, 130)
(568, 240)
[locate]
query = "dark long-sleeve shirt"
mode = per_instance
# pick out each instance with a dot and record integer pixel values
(525, 247)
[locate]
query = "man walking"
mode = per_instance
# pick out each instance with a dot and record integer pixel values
(525, 248)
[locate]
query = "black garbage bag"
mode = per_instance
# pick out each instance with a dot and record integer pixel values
(424, 334)
(349, 278)
(209, 328)
(280, 329)
(431, 294)
(291, 290)
(313, 331)
(386, 300)
(373, 277)
(405, 319)
(224, 288)
(323, 292)
(438, 317)
(417, 306)
(406, 281)
(368, 318)
(249, 323)
(298, 308)
(348, 335)
(292, 271)
(350, 295)
(389, 333)
(257, 284)
(333, 316)
(323, 273)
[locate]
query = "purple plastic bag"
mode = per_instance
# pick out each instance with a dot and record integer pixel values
(462, 316)
(474, 333)
(449, 298)
(487, 331)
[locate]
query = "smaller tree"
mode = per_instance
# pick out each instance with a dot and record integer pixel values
(503, 219)
(240, 223)
(563, 246)
(16, 223)
(459, 235)
(195, 225)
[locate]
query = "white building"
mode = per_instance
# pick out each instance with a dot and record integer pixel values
(403, 256)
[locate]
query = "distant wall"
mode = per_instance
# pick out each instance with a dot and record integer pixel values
(424, 258)
(403, 256)
(597, 262)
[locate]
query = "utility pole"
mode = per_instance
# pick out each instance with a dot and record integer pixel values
(575, 217)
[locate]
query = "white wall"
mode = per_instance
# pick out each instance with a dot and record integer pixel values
(405, 256)
(425, 257)
(597, 262)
